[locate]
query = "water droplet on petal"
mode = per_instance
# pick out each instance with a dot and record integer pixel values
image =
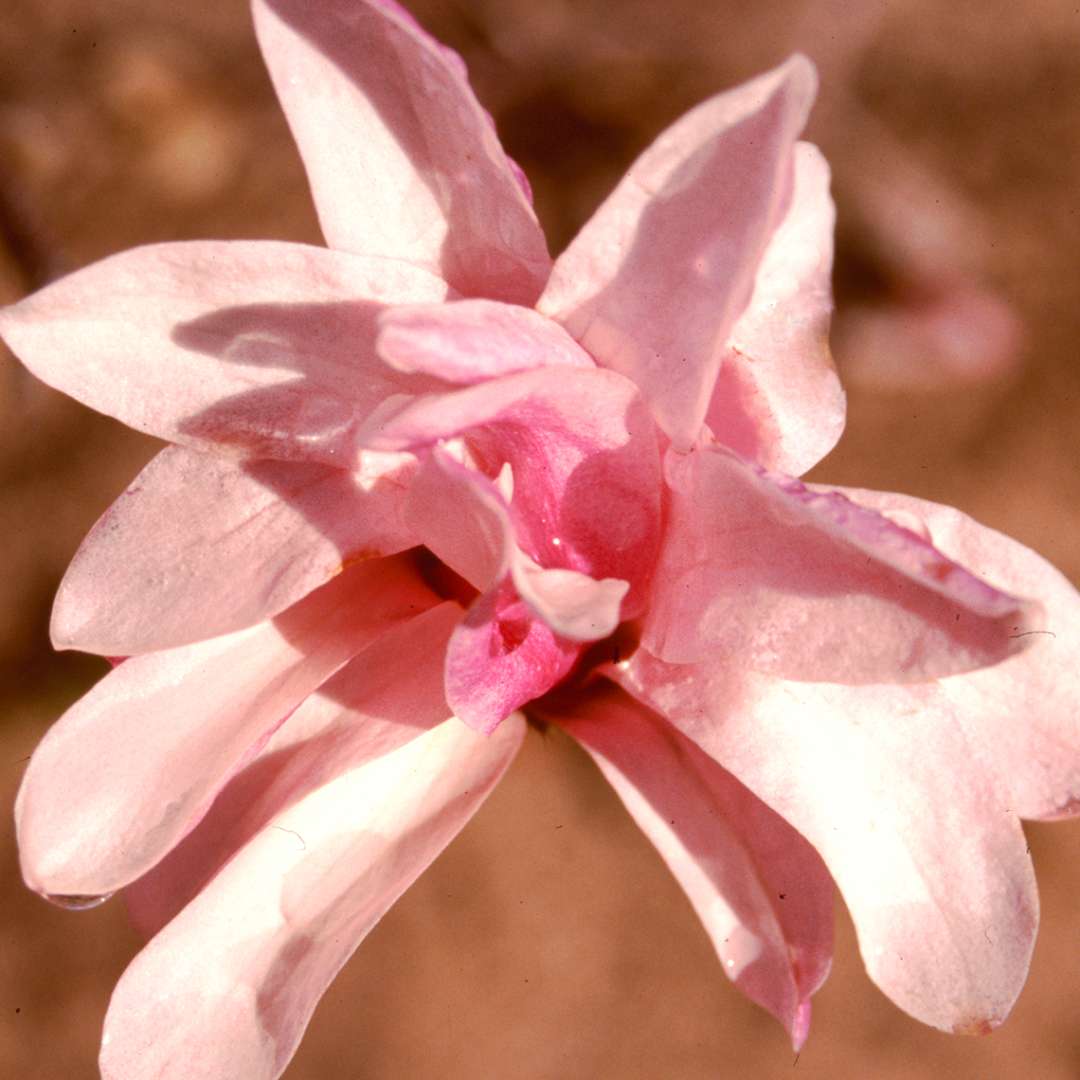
(77, 903)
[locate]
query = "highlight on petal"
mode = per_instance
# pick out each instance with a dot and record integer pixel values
(778, 400)
(202, 1001)
(136, 762)
(200, 545)
(654, 282)
(1020, 716)
(809, 585)
(387, 695)
(758, 887)
(255, 348)
(403, 161)
(584, 457)
(473, 340)
(929, 857)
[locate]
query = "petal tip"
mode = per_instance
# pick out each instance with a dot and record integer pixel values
(800, 1025)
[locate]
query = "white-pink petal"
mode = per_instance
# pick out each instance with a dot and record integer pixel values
(469, 341)
(253, 348)
(809, 585)
(758, 887)
(403, 161)
(201, 545)
(926, 851)
(136, 762)
(654, 282)
(778, 400)
(227, 988)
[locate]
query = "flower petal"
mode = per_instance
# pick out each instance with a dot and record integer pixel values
(929, 858)
(761, 891)
(654, 282)
(1020, 716)
(128, 770)
(473, 340)
(778, 400)
(500, 657)
(257, 348)
(387, 695)
(584, 457)
(202, 1002)
(808, 585)
(403, 162)
(201, 545)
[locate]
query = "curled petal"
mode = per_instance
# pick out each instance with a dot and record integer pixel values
(928, 856)
(402, 160)
(338, 846)
(584, 458)
(810, 585)
(654, 282)
(135, 763)
(255, 348)
(200, 545)
(473, 340)
(758, 887)
(778, 400)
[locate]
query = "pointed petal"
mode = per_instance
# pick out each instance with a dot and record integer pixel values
(778, 400)
(654, 282)
(134, 764)
(227, 988)
(584, 456)
(473, 340)
(257, 348)
(761, 891)
(929, 858)
(1020, 716)
(384, 697)
(808, 585)
(403, 162)
(201, 545)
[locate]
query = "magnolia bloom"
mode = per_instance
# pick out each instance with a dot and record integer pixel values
(426, 484)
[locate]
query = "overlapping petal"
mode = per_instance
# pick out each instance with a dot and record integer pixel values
(654, 282)
(201, 545)
(135, 763)
(584, 457)
(807, 584)
(337, 834)
(778, 400)
(758, 887)
(256, 348)
(929, 857)
(402, 160)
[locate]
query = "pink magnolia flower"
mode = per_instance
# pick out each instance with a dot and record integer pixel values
(426, 484)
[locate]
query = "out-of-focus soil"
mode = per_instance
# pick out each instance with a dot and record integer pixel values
(549, 942)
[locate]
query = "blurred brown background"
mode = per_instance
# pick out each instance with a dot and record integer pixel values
(549, 942)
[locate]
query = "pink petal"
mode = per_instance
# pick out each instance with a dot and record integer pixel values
(461, 517)
(403, 162)
(227, 988)
(584, 457)
(474, 340)
(655, 281)
(756, 884)
(1019, 717)
(501, 657)
(930, 859)
(778, 400)
(258, 348)
(384, 697)
(201, 545)
(808, 585)
(128, 770)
